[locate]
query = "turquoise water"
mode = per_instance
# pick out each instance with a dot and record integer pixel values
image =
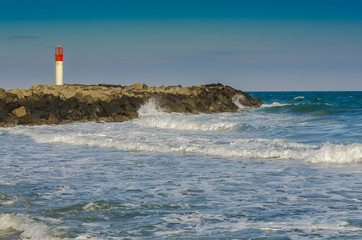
(288, 170)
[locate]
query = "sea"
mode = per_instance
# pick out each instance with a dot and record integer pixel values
(290, 169)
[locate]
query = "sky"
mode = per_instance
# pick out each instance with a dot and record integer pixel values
(252, 45)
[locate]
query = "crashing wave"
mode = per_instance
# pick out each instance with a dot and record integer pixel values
(153, 116)
(28, 228)
(237, 99)
(337, 153)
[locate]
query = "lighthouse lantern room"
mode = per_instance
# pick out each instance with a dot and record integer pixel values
(59, 65)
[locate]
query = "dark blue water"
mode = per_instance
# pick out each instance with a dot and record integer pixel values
(288, 170)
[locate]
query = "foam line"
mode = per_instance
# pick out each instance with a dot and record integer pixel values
(111, 136)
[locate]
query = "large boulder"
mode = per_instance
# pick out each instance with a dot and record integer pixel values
(2, 115)
(137, 86)
(19, 112)
(17, 92)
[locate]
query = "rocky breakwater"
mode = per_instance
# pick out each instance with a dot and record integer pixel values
(51, 104)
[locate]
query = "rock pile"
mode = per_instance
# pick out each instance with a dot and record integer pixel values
(51, 104)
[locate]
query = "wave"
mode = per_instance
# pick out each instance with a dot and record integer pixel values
(217, 135)
(302, 108)
(24, 227)
(298, 97)
(236, 100)
(27, 227)
(91, 207)
(338, 153)
(111, 136)
(182, 123)
(201, 222)
(153, 116)
(274, 104)
(7, 199)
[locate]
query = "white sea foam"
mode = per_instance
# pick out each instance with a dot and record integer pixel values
(222, 138)
(152, 116)
(150, 108)
(91, 207)
(236, 100)
(199, 223)
(338, 153)
(274, 104)
(6, 199)
(131, 139)
(298, 97)
(28, 228)
(7, 183)
(117, 188)
(313, 225)
(182, 122)
(90, 237)
(191, 222)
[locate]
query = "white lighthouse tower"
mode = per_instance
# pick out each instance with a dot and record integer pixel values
(59, 65)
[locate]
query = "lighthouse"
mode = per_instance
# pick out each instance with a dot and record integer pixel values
(59, 65)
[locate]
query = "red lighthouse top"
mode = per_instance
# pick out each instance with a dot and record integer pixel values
(58, 53)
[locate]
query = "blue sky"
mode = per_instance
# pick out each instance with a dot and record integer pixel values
(259, 45)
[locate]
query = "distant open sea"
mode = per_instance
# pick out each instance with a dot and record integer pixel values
(291, 169)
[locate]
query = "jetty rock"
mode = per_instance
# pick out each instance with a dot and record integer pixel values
(53, 104)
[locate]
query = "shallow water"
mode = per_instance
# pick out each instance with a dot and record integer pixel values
(289, 170)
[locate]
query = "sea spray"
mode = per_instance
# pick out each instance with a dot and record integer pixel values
(151, 107)
(237, 99)
(153, 116)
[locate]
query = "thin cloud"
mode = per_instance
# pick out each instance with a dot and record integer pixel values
(21, 37)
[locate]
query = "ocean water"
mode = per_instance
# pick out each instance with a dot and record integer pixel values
(291, 169)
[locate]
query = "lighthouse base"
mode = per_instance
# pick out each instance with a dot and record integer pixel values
(59, 72)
